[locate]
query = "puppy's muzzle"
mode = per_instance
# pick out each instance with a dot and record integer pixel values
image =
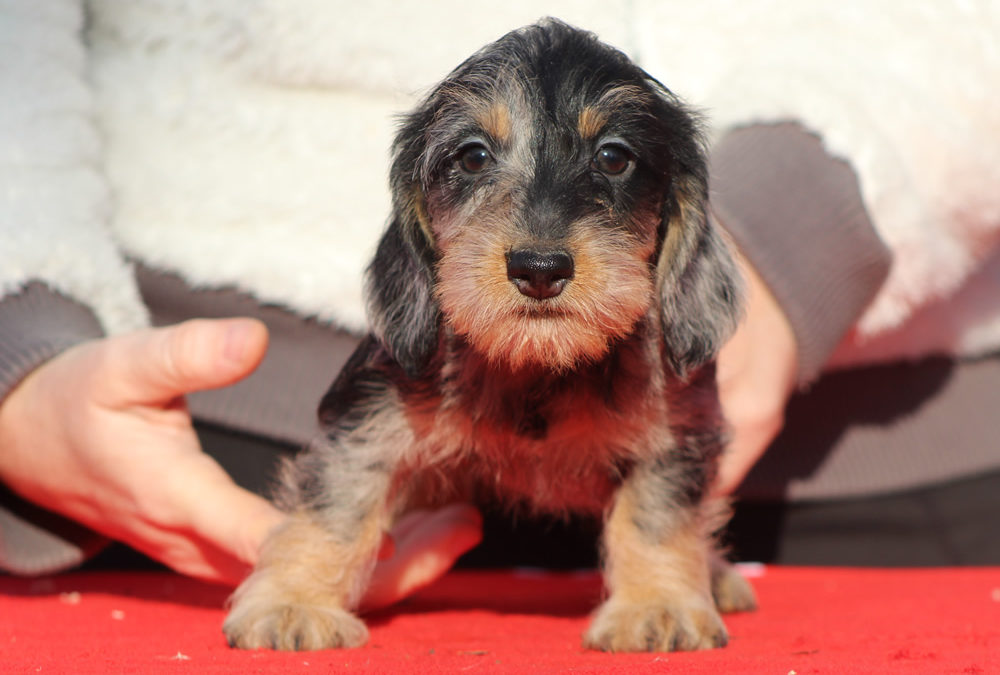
(539, 274)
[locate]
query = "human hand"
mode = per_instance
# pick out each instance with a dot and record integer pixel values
(422, 546)
(101, 435)
(756, 372)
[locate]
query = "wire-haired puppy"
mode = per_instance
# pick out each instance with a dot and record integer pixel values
(545, 307)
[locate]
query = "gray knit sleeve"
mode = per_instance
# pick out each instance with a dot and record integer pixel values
(797, 215)
(35, 325)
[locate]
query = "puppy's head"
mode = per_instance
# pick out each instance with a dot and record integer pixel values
(548, 196)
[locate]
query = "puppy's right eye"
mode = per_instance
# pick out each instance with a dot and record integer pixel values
(612, 159)
(474, 157)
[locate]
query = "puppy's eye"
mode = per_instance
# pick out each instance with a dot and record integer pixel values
(612, 159)
(474, 157)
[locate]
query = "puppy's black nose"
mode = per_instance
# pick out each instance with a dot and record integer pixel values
(539, 275)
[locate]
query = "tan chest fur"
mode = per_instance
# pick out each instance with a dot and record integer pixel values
(554, 442)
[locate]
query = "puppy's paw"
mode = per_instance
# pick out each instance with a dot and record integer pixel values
(655, 627)
(292, 627)
(732, 592)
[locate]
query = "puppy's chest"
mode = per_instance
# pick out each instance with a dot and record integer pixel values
(558, 444)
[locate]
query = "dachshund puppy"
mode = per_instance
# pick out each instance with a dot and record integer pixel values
(545, 307)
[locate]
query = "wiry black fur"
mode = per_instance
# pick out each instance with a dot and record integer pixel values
(563, 67)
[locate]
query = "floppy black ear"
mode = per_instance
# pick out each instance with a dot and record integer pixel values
(700, 287)
(399, 282)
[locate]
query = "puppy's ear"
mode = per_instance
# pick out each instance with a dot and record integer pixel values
(399, 282)
(699, 285)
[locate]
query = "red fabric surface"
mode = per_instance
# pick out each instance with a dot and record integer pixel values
(811, 621)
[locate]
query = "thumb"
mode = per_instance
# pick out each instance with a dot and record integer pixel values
(160, 364)
(427, 544)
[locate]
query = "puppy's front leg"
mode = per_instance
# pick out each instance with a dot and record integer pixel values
(657, 550)
(313, 569)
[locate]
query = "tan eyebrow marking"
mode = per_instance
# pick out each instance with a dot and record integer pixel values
(590, 122)
(496, 121)
(593, 118)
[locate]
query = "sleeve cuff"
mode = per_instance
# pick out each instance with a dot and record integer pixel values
(797, 215)
(35, 325)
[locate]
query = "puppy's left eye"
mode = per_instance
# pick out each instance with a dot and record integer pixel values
(612, 159)
(474, 157)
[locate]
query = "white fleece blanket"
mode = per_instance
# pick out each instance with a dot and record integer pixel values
(246, 144)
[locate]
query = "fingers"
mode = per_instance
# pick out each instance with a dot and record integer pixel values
(228, 518)
(427, 544)
(155, 366)
(756, 372)
(738, 460)
(755, 415)
(112, 449)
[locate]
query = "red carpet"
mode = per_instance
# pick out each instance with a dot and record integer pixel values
(810, 621)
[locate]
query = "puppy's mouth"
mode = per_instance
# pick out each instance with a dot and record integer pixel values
(535, 309)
